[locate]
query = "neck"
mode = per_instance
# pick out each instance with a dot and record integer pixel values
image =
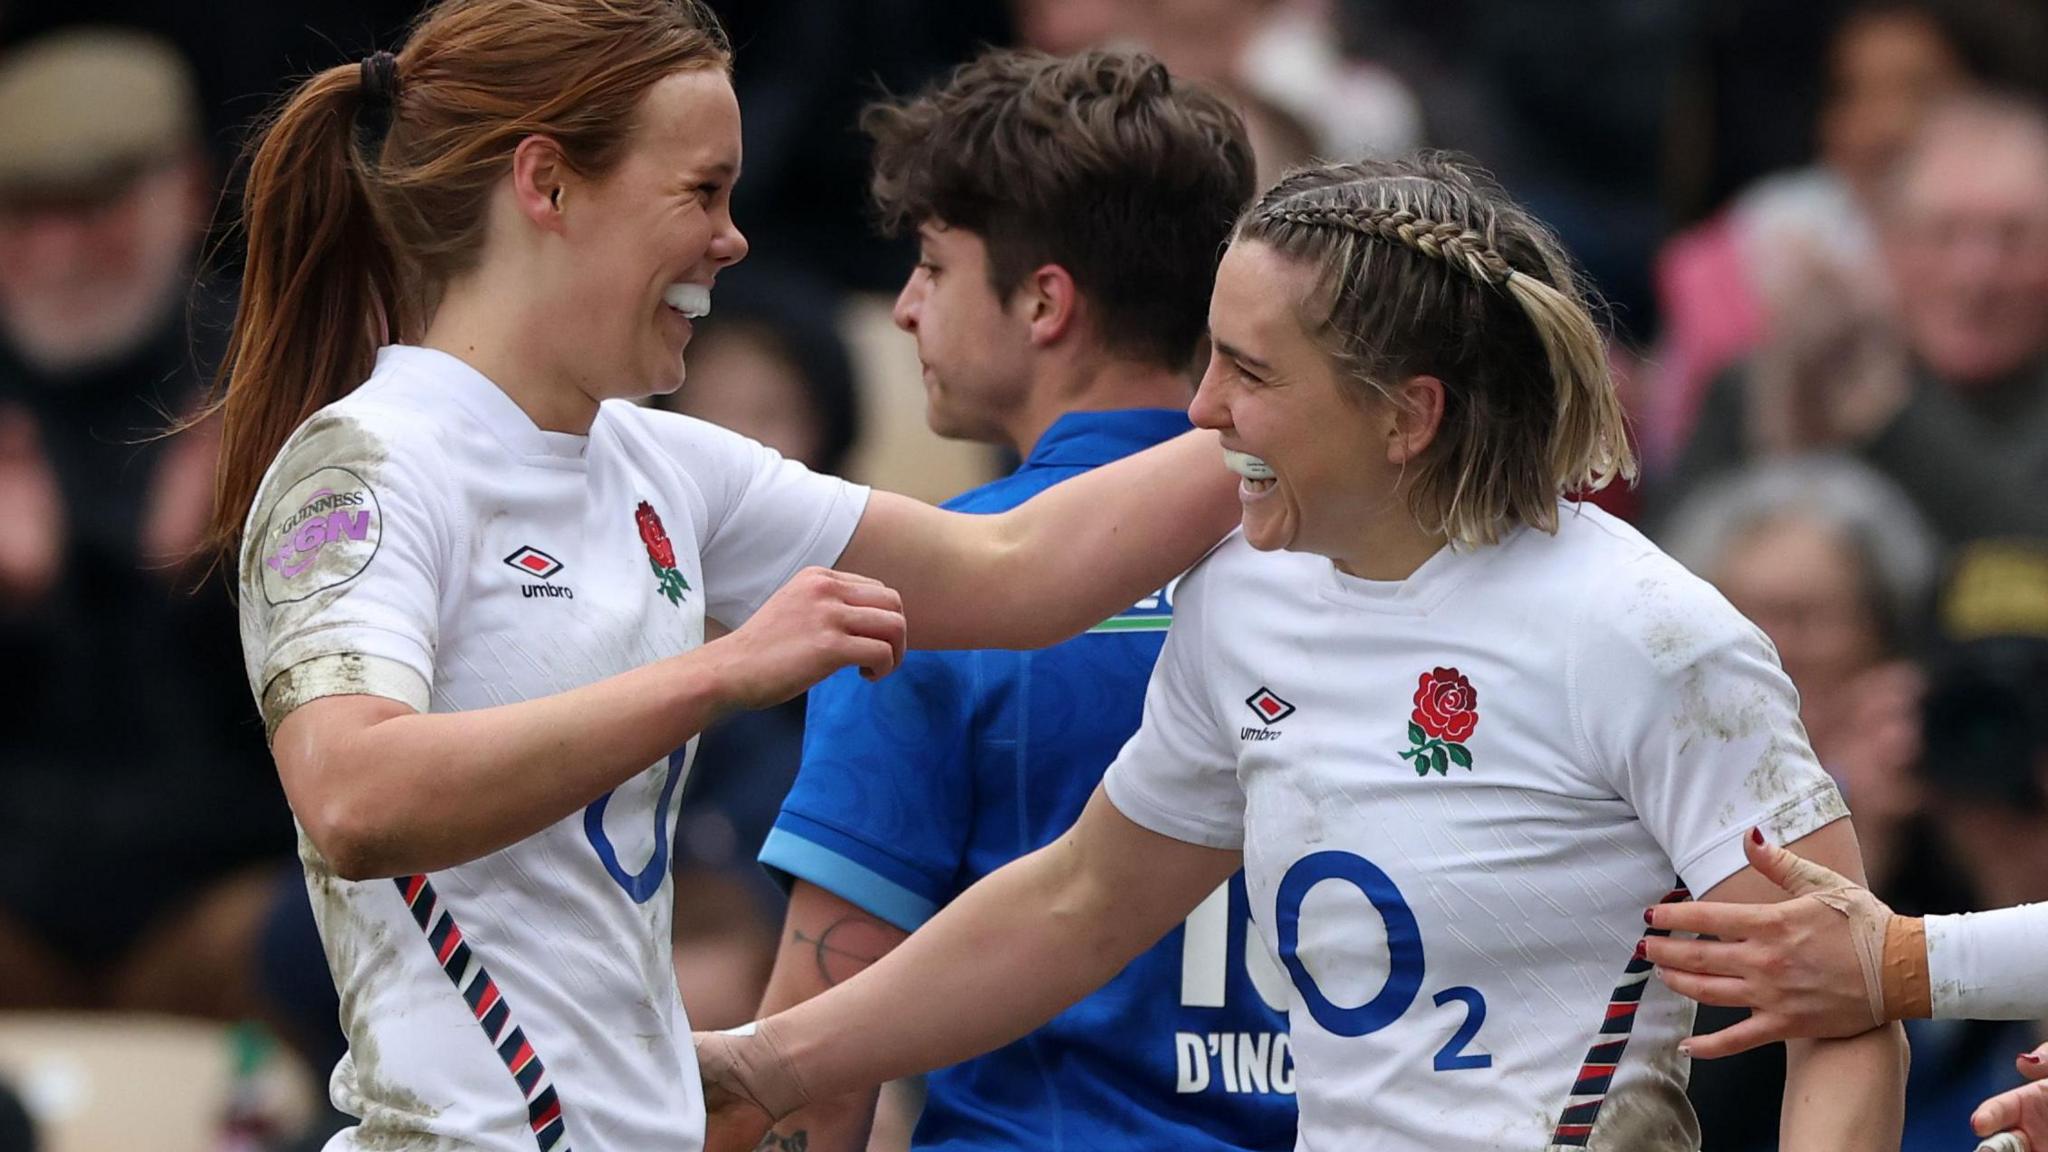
(1391, 546)
(1103, 386)
(507, 346)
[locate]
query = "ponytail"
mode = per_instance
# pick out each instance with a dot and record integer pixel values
(321, 288)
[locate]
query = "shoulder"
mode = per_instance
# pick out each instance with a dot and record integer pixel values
(367, 440)
(1238, 595)
(1641, 609)
(1235, 569)
(716, 461)
(333, 489)
(670, 429)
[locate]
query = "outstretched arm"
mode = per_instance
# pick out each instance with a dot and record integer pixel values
(1015, 950)
(1846, 1093)
(1065, 560)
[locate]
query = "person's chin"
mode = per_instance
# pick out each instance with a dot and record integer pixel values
(941, 420)
(665, 383)
(1267, 529)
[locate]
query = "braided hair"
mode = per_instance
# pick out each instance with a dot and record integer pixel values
(1426, 267)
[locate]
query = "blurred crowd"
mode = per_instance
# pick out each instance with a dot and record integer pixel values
(1821, 230)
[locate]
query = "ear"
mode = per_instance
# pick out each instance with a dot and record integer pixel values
(539, 177)
(1414, 416)
(1050, 302)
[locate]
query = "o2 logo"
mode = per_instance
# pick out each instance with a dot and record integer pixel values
(641, 885)
(1405, 965)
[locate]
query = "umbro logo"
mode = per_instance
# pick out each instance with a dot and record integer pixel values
(1267, 705)
(534, 562)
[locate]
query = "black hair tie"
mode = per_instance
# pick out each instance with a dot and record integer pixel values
(379, 96)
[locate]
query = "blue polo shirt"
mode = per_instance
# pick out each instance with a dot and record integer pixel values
(914, 787)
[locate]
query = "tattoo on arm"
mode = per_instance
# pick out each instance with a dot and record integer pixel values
(846, 946)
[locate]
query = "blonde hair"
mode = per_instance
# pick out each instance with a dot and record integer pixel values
(1426, 267)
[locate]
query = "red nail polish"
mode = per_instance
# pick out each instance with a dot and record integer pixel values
(1756, 836)
(1641, 948)
(2029, 1059)
(1650, 917)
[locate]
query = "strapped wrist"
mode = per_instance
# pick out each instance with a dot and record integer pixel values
(1908, 992)
(770, 1075)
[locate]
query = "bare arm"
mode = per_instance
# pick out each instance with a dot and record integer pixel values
(1014, 951)
(385, 791)
(1065, 560)
(825, 942)
(1847, 1093)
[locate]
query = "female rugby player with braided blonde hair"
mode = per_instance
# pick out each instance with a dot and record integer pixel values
(1459, 731)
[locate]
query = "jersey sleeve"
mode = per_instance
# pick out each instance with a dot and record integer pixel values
(1989, 965)
(340, 570)
(884, 803)
(1680, 703)
(766, 517)
(1177, 775)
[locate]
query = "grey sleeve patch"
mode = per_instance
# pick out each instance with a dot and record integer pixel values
(340, 674)
(321, 532)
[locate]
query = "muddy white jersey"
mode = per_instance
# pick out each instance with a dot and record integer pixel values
(424, 541)
(1456, 795)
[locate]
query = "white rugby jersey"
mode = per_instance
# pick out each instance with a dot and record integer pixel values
(1456, 794)
(423, 540)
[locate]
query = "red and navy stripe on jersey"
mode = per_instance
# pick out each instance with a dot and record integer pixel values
(492, 1012)
(1589, 1091)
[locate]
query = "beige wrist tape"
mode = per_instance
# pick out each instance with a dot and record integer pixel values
(1867, 917)
(1868, 920)
(769, 1075)
(1908, 991)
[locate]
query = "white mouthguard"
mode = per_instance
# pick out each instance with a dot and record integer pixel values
(1246, 465)
(692, 300)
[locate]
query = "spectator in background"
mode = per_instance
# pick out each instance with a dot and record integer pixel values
(1283, 59)
(139, 819)
(1719, 283)
(1938, 375)
(768, 364)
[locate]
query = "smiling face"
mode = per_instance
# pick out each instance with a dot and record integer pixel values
(657, 229)
(975, 349)
(1968, 229)
(1276, 395)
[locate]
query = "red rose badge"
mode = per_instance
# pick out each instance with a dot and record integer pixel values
(661, 554)
(1446, 712)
